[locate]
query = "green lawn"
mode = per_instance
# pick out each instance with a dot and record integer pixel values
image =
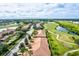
(70, 26)
(76, 53)
(58, 47)
(55, 46)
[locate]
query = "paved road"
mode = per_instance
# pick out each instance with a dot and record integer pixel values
(16, 48)
(57, 37)
(70, 52)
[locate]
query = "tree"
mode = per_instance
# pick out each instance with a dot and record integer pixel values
(29, 37)
(30, 52)
(3, 48)
(77, 41)
(20, 33)
(29, 45)
(19, 28)
(21, 45)
(26, 41)
(15, 54)
(34, 26)
(23, 49)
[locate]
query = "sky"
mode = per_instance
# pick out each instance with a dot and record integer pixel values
(39, 10)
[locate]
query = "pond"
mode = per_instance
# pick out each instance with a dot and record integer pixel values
(62, 29)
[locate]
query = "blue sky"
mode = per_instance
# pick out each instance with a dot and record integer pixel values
(39, 10)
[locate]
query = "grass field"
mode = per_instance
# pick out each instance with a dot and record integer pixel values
(63, 43)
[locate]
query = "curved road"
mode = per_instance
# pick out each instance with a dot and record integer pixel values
(70, 52)
(57, 37)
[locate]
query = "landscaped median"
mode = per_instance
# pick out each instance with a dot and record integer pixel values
(13, 42)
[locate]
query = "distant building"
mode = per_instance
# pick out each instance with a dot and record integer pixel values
(4, 33)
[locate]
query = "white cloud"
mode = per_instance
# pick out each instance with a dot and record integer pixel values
(39, 10)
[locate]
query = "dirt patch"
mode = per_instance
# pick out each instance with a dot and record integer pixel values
(40, 44)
